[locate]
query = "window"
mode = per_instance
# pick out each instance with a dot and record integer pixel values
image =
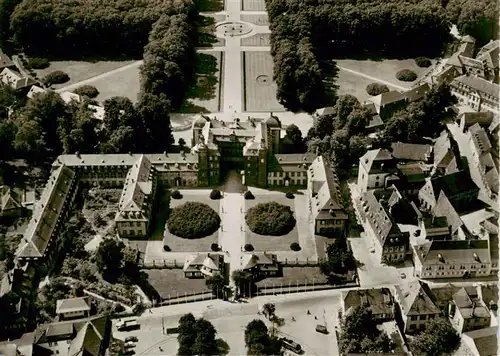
(423, 317)
(138, 224)
(413, 317)
(292, 174)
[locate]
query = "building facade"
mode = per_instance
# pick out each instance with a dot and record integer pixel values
(476, 92)
(376, 167)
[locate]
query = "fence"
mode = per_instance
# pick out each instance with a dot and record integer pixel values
(296, 263)
(288, 288)
(187, 298)
(161, 264)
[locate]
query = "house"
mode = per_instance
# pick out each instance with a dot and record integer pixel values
(416, 305)
(459, 189)
(483, 157)
(48, 215)
(325, 199)
(446, 76)
(389, 243)
(89, 337)
(488, 56)
(482, 342)
(406, 152)
(260, 264)
(489, 295)
(452, 259)
(375, 122)
(5, 61)
(436, 228)
(467, 311)
(10, 202)
(136, 202)
(34, 90)
(289, 169)
(467, 119)
(203, 265)
(388, 102)
(416, 93)
(379, 301)
(73, 308)
(69, 97)
(478, 93)
(443, 153)
(412, 176)
(376, 169)
(327, 111)
(14, 79)
(442, 295)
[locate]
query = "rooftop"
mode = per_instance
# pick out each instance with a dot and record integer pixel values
(72, 305)
(453, 252)
(415, 298)
(379, 300)
(410, 151)
(481, 85)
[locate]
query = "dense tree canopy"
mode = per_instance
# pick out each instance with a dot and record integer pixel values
(439, 338)
(196, 336)
(339, 259)
(193, 220)
(270, 219)
(258, 340)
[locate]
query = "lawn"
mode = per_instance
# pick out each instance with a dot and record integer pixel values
(259, 20)
(304, 275)
(178, 244)
(265, 242)
(205, 93)
(353, 84)
(262, 39)
(171, 282)
(81, 70)
(124, 83)
(253, 5)
(259, 88)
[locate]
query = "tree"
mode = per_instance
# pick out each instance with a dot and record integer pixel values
(109, 254)
(193, 220)
(357, 120)
(258, 340)
(29, 140)
(374, 89)
(268, 310)
(345, 105)
(155, 113)
(339, 259)
(294, 140)
(181, 143)
(216, 284)
(270, 219)
(438, 338)
(187, 334)
(204, 343)
(243, 280)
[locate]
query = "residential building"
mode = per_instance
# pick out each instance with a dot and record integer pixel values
(446, 76)
(73, 308)
(407, 152)
(34, 90)
(289, 169)
(136, 202)
(14, 79)
(416, 305)
(467, 119)
(388, 102)
(203, 265)
(467, 312)
(260, 264)
(452, 259)
(49, 215)
(459, 189)
(89, 336)
(375, 122)
(478, 93)
(416, 93)
(412, 176)
(10, 202)
(489, 295)
(442, 295)
(69, 97)
(389, 242)
(436, 228)
(443, 153)
(325, 199)
(5, 61)
(482, 342)
(488, 57)
(379, 301)
(377, 169)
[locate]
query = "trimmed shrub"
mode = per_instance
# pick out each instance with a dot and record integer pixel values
(166, 248)
(215, 194)
(249, 195)
(193, 220)
(176, 194)
(406, 75)
(87, 90)
(423, 62)
(289, 195)
(375, 89)
(56, 77)
(38, 63)
(270, 219)
(294, 246)
(214, 247)
(249, 247)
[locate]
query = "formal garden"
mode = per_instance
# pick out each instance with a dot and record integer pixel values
(270, 222)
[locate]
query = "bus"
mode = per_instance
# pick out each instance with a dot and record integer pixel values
(291, 345)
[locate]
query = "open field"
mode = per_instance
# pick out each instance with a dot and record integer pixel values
(265, 242)
(80, 70)
(178, 244)
(385, 69)
(259, 88)
(260, 39)
(171, 282)
(206, 92)
(259, 20)
(253, 5)
(354, 85)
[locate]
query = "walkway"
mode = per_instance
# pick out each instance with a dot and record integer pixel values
(231, 234)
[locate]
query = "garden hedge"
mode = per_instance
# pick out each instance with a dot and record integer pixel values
(176, 194)
(289, 195)
(406, 75)
(249, 247)
(215, 194)
(38, 63)
(423, 62)
(249, 195)
(270, 219)
(375, 89)
(294, 246)
(55, 77)
(87, 90)
(193, 220)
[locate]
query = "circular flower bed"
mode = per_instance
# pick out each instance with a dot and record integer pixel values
(193, 220)
(270, 219)
(55, 77)
(423, 62)
(87, 90)
(406, 75)
(375, 89)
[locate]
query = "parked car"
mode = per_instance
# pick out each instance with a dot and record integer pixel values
(321, 329)
(131, 338)
(403, 275)
(291, 345)
(129, 344)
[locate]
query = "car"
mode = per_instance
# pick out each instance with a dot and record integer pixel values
(129, 344)
(131, 339)
(372, 250)
(403, 275)
(321, 329)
